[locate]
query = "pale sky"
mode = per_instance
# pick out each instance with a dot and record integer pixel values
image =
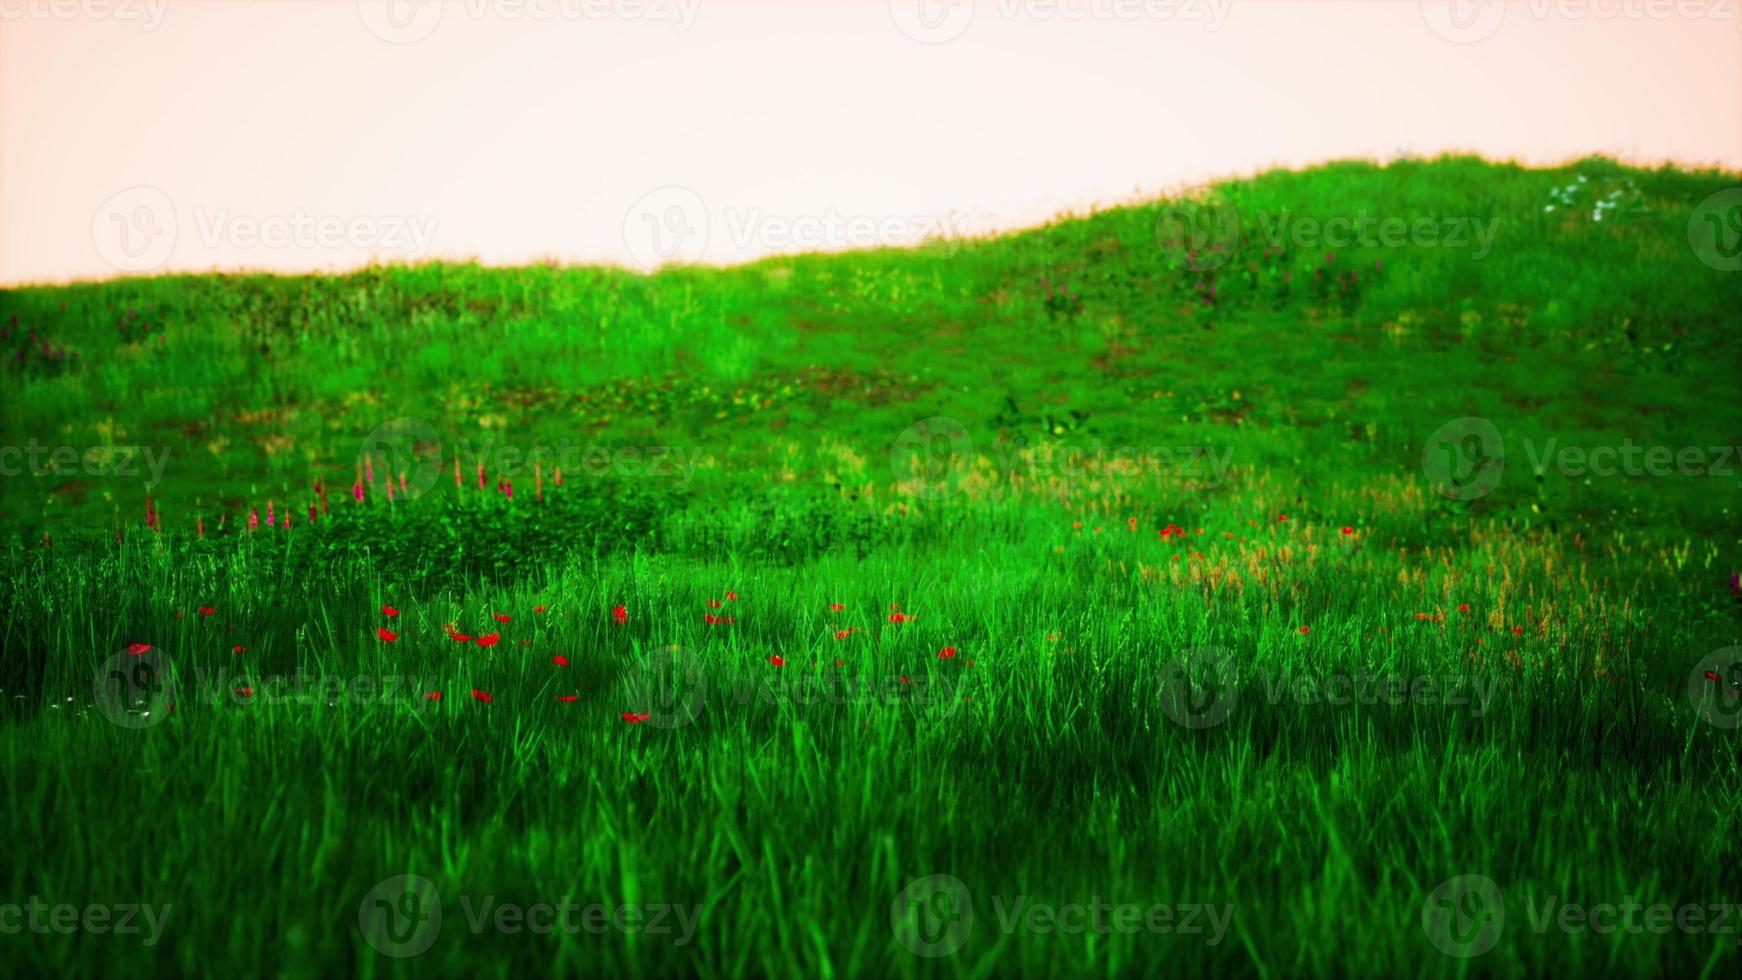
(191, 135)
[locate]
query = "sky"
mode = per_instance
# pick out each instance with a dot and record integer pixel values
(145, 136)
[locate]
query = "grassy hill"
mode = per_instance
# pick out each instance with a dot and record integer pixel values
(1142, 558)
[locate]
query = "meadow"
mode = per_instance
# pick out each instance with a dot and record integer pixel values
(1332, 572)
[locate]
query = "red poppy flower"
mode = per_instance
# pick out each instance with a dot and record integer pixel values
(244, 692)
(1282, 518)
(489, 639)
(732, 596)
(434, 695)
(1517, 631)
(482, 696)
(715, 603)
(386, 635)
(620, 614)
(840, 663)
(207, 610)
(501, 617)
(238, 648)
(560, 661)
(458, 637)
(539, 609)
(568, 698)
(1304, 630)
(904, 680)
(777, 660)
(635, 719)
(1712, 675)
(843, 634)
(947, 653)
(1348, 530)
(836, 607)
(1464, 608)
(389, 611)
(899, 618)
(894, 606)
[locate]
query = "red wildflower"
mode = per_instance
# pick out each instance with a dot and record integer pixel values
(840, 663)
(434, 695)
(1304, 630)
(843, 634)
(635, 719)
(1712, 675)
(237, 648)
(732, 596)
(540, 609)
(386, 635)
(489, 639)
(207, 610)
(1517, 631)
(389, 611)
(458, 637)
(836, 607)
(1464, 608)
(1282, 518)
(715, 603)
(1348, 530)
(947, 653)
(568, 698)
(620, 614)
(777, 660)
(244, 692)
(899, 618)
(501, 617)
(560, 661)
(482, 696)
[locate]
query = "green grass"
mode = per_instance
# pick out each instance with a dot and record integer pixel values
(1129, 717)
